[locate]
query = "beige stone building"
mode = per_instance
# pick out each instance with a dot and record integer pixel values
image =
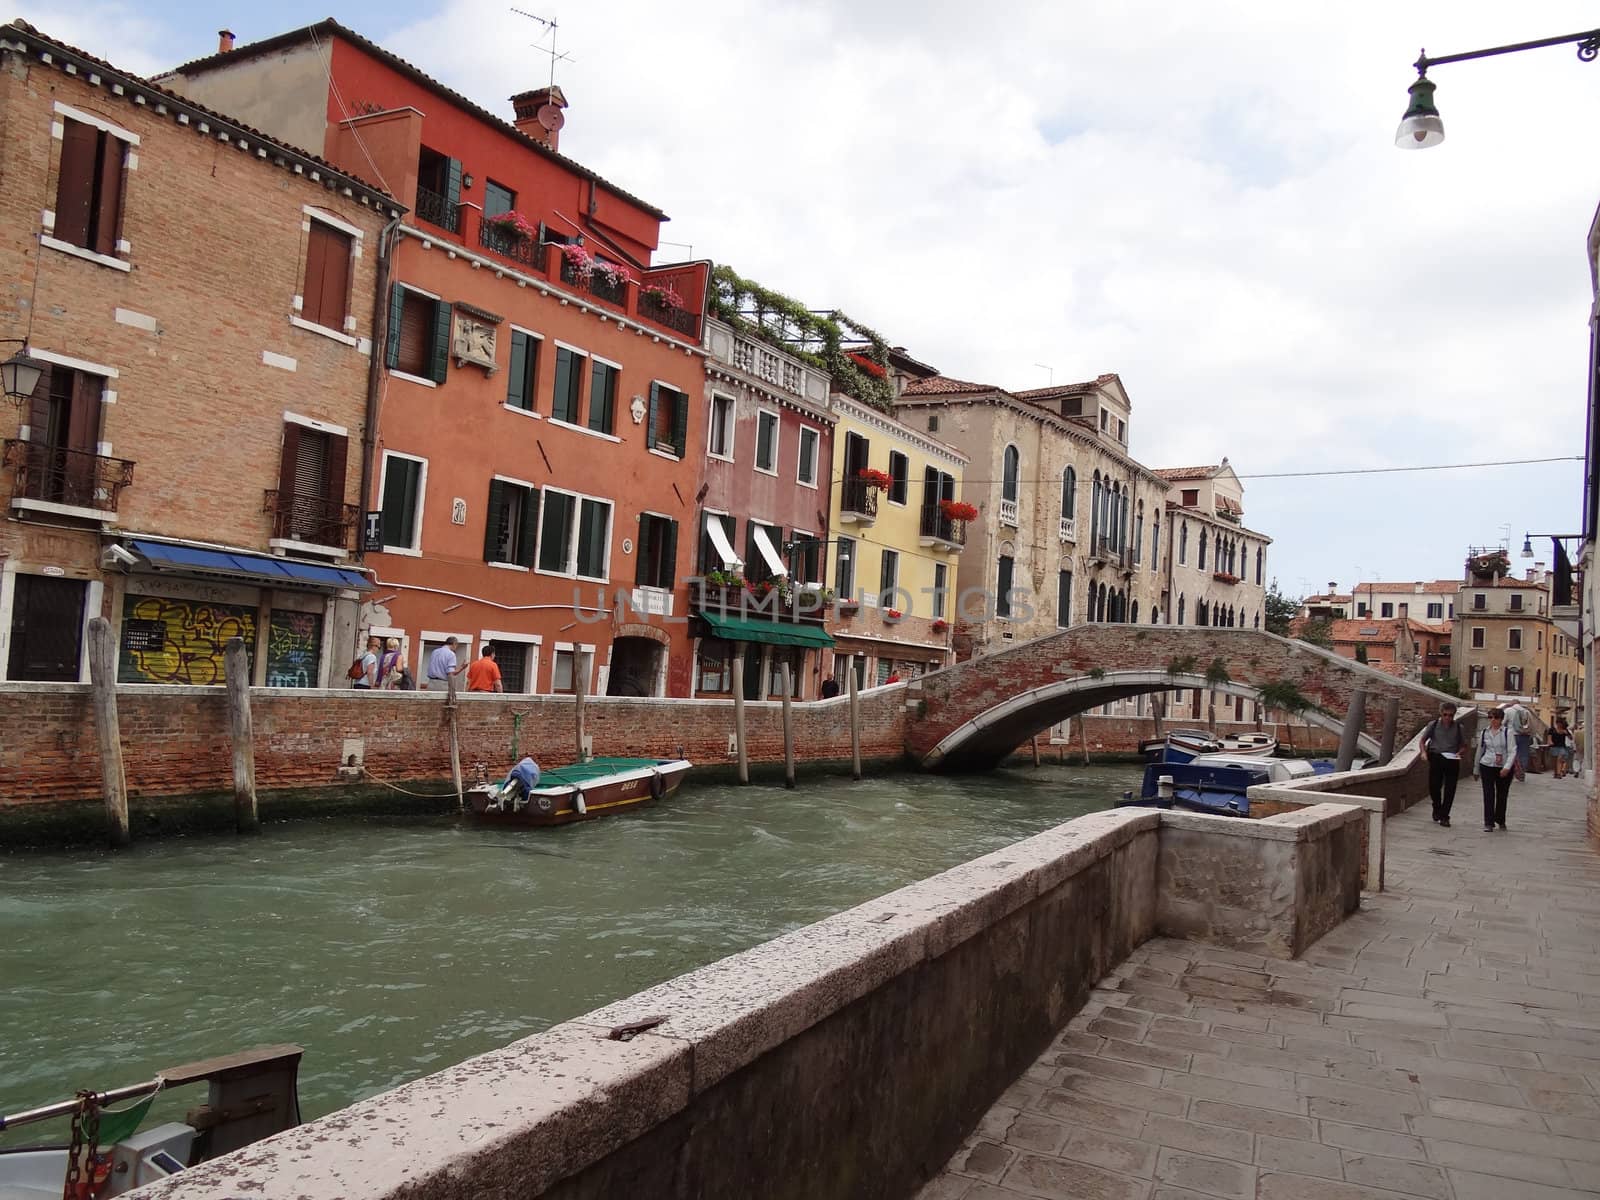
(1215, 566)
(1069, 525)
(1507, 647)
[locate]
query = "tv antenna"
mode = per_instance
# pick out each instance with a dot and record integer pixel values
(1052, 370)
(552, 26)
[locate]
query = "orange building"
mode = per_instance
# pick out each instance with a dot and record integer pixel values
(540, 412)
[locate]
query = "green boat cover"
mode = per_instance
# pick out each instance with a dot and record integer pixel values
(583, 774)
(759, 629)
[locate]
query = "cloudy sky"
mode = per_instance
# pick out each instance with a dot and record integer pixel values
(1203, 197)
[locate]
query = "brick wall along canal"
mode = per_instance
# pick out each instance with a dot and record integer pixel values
(389, 950)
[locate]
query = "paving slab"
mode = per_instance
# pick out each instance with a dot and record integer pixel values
(1450, 1050)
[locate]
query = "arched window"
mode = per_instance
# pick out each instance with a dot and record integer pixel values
(1202, 564)
(1138, 531)
(1155, 614)
(1069, 494)
(1133, 613)
(1181, 602)
(1094, 512)
(1155, 541)
(1183, 550)
(1100, 605)
(1259, 549)
(1258, 620)
(1010, 473)
(1122, 524)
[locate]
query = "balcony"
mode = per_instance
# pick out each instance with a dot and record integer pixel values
(653, 308)
(527, 251)
(858, 502)
(1008, 513)
(436, 210)
(612, 289)
(768, 601)
(936, 529)
(1069, 529)
(66, 482)
(1225, 577)
(311, 520)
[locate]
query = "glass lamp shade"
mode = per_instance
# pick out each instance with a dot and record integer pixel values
(19, 375)
(1421, 126)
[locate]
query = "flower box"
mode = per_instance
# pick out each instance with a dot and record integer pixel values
(513, 225)
(1224, 577)
(940, 625)
(875, 479)
(892, 614)
(957, 510)
(662, 295)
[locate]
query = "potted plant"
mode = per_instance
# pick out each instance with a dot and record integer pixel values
(849, 606)
(940, 625)
(892, 615)
(957, 510)
(875, 479)
(513, 225)
(613, 273)
(662, 295)
(577, 264)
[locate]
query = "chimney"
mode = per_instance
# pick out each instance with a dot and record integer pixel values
(539, 114)
(1333, 587)
(224, 41)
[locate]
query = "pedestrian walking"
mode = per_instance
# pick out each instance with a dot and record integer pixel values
(1519, 724)
(1559, 743)
(1495, 763)
(484, 675)
(389, 673)
(442, 664)
(1443, 741)
(830, 688)
(366, 678)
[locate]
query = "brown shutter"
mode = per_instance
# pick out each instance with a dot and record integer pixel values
(316, 266)
(335, 276)
(108, 217)
(338, 451)
(83, 421)
(75, 183)
(416, 335)
(291, 454)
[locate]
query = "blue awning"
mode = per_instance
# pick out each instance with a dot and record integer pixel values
(262, 568)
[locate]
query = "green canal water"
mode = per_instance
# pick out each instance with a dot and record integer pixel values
(391, 949)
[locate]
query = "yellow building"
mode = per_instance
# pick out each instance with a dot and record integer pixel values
(893, 559)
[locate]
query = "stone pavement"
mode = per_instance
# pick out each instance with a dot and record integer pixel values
(1444, 1042)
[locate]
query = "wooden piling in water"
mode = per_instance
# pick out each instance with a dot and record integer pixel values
(788, 728)
(455, 741)
(1391, 726)
(241, 730)
(103, 689)
(580, 693)
(1036, 750)
(855, 724)
(738, 713)
(1083, 729)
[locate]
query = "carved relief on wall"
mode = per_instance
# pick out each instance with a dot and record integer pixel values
(472, 340)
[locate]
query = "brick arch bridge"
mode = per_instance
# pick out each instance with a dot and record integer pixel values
(973, 714)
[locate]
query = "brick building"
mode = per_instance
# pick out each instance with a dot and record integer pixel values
(190, 461)
(540, 440)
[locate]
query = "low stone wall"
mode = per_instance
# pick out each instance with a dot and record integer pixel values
(846, 1059)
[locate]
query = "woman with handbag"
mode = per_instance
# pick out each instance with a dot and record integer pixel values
(1494, 764)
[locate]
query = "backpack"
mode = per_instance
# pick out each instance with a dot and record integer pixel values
(407, 682)
(357, 669)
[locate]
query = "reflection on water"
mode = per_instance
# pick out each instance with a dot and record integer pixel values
(390, 949)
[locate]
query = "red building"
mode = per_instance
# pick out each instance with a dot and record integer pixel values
(540, 426)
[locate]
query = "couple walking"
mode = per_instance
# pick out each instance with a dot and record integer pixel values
(1499, 756)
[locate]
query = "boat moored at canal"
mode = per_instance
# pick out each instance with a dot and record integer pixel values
(580, 792)
(1214, 783)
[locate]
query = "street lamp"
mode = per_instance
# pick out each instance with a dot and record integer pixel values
(19, 374)
(1421, 126)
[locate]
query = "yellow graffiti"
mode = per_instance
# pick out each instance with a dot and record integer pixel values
(193, 638)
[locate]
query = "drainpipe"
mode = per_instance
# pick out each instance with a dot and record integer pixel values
(380, 335)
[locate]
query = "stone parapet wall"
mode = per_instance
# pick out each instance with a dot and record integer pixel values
(848, 1058)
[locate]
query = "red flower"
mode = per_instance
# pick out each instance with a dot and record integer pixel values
(866, 364)
(958, 510)
(874, 478)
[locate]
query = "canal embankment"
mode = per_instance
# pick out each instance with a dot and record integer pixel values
(847, 1058)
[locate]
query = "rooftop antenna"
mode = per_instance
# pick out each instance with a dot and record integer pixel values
(552, 25)
(1052, 371)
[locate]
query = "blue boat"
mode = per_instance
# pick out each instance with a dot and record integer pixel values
(1214, 783)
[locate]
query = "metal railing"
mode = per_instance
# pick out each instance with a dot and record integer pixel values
(525, 250)
(313, 519)
(857, 496)
(681, 320)
(934, 524)
(595, 281)
(57, 475)
(437, 210)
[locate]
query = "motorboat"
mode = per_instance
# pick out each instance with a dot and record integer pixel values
(580, 792)
(1179, 745)
(1262, 744)
(1214, 783)
(252, 1095)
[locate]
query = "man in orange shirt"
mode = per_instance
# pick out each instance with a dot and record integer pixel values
(484, 675)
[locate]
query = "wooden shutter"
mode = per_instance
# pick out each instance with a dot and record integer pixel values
(416, 335)
(655, 412)
(439, 362)
(316, 265)
(669, 556)
(286, 464)
(397, 308)
(338, 452)
(680, 422)
(83, 421)
(327, 286)
(75, 182)
(452, 182)
(528, 530)
(108, 215)
(517, 382)
(494, 519)
(641, 575)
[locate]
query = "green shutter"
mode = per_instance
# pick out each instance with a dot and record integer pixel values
(494, 519)
(669, 556)
(528, 529)
(517, 383)
(397, 308)
(641, 574)
(653, 423)
(440, 363)
(680, 423)
(452, 183)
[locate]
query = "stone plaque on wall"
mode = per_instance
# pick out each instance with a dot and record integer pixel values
(472, 340)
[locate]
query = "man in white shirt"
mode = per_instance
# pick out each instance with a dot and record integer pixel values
(442, 664)
(1519, 723)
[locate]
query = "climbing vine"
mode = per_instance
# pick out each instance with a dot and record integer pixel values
(860, 369)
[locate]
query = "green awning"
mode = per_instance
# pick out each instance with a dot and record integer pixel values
(760, 629)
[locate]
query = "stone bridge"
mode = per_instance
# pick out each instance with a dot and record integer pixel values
(971, 715)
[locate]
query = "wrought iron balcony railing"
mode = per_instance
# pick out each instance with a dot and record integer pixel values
(437, 210)
(57, 475)
(594, 281)
(686, 322)
(858, 498)
(311, 519)
(528, 251)
(934, 524)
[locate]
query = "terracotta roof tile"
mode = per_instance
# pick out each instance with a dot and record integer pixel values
(1176, 473)
(939, 385)
(1431, 587)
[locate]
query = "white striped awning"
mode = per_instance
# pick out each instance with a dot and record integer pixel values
(769, 552)
(719, 541)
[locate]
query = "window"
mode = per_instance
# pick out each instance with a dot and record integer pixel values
(512, 523)
(524, 370)
(767, 442)
(1475, 678)
(1183, 547)
(844, 570)
(1011, 471)
(933, 424)
(513, 659)
(1477, 637)
(1516, 601)
(720, 437)
(439, 189)
(1182, 602)
(1202, 563)
(561, 680)
(497, 199)
(1063, 599)
(89, 187)
(716, 545)
(325, 295)
(574, 535)
(899, 477)
(657, 558)
(63, 419)
(1155, 545)
(1191, 497)
(566, 403)
(1259, 552)
(46, 629)
(1513, 679)
(1513, 639)
(1105, 420)
(669, 419)
(602, 396)
(1002, 587)
(403, 478)
(1361, 609)
(1069, 493)
(1386, 609)
(311, 473)
(419, 334)
(1540, 635)
(808, 560)
(1122, 430)
(1405, 610)
(941, 586)
(806, 472)
(1479, 602)
(889, 578)
(1435, 612)
(714, 664)
(794, 658)
(760, 541)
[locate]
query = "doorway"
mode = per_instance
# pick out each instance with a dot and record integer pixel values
(635, 662)
(47, 629)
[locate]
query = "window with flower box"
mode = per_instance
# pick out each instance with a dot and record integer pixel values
(668, 419)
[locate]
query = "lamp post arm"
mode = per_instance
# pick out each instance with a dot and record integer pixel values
(1588, 49)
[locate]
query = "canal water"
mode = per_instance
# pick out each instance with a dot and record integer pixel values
(389, 949)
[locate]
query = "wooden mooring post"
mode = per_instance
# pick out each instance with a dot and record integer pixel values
(580, 694)
(1083, 730)
(855, 724)
(236, 674)
(455, 741)
(788, 728)
(1351, 737)
(738, 713)
(103, 688)
(1035, 743)
(1391, 727)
